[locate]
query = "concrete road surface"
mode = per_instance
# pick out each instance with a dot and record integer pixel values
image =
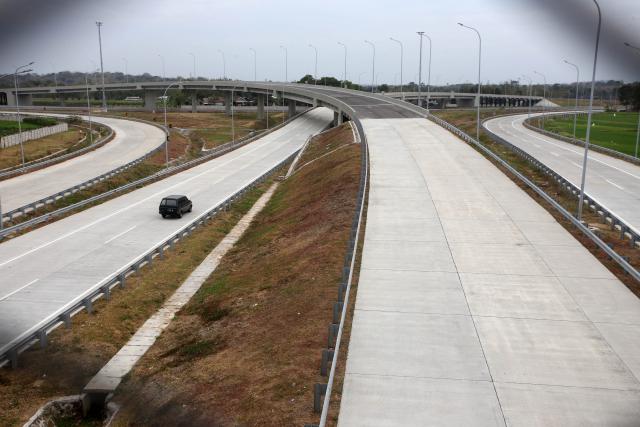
(474, 307)
(47, 269)
(132, 140)
(613, 183)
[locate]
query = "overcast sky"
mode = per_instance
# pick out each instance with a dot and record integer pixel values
(519, 36)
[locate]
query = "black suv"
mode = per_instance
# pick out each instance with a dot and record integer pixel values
(175, 205)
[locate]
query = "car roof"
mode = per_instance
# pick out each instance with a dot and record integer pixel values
(174, 197)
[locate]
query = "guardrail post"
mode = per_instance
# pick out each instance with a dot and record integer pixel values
(318, 393)
(12, 355)
(122, 280)
(88, 305)
(333, 334)
(106, 291)
(66, 319)
(149, 258)
(337, 311)
(42, 337)
(327, 355)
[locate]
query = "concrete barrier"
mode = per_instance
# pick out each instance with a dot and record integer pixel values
(10, 140)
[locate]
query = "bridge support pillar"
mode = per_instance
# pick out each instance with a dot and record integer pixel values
(227, 103)
(260, 107)
(337, 118)
(194, 102)
(292, 108)
(25, 99)
(150, 99)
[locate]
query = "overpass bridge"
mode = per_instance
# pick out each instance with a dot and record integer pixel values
(467, 100)
(302, 93)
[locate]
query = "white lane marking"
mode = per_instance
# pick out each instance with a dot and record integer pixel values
(234, 158)
(554, 153)
(576, 165)
(526, 132)
(120, 234)
(18, 290)
(614, 184)
(537, 146)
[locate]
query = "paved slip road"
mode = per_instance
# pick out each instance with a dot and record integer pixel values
(614, 183)
(132, 140)
(48, 268)
(474, 307)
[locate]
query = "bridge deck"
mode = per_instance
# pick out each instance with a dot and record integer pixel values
(474, 306)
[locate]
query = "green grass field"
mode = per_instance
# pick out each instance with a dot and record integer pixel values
(616, 131)
(9, 127)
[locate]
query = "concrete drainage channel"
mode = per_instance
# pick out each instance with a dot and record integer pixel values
(211, 154)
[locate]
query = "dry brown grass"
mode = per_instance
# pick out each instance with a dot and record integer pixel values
(246, 349)
(74, 356)
(38, 148)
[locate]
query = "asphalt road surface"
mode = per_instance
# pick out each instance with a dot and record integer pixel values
(132, 140)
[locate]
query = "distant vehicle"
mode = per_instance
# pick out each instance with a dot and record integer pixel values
(175, 206)
(133, 98)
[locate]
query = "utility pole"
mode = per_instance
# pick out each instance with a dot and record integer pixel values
(421, 34)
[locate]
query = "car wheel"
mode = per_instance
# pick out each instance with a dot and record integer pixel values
(190, 208)
(179, 214)
(164, 216)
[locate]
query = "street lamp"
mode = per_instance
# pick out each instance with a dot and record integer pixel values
(20, 70)
(255, 64)
(316, 66)
(590, 113)
(126, 70)
(575, 115)
(166, 129)
(421, 34)
(637, 49)
(401, 60)
(429, 75)
(479, 81)
(373, 64)
(164, 76)
(286, 65)
(345, 63)
(224, 65)
(530, 83)
(544, 95)
(104, 93)
(194, 65)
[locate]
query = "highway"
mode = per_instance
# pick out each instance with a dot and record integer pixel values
(474, 306)
(613, 183)
(132, 140)
(46, 270)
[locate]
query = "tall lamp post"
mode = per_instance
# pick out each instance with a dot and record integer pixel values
(166, 141)
(373, 65)
(255, 65)
(194, 65)
(544, 95)
(316, 66)
(479, 81)
(164, 76)
(637, 49)
(429, 74)
(224, 65)
(344, 79)
(575, 115)
(590, 113)
(421, 34)
(20, 70)
(530, 88)
(104, 93)
(401, 61)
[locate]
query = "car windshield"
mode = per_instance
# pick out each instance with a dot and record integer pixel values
(170, 202)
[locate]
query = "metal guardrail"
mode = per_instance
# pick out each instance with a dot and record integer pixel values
(38, 164)
(566, 214)
(9, 353)
(322, 391)
(211, 154)
(626, 230)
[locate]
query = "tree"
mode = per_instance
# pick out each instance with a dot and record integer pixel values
(629, 95)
